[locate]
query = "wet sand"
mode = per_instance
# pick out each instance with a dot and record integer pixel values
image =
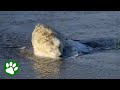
(16, 28)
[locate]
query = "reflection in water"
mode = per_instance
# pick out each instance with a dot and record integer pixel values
(47, 69)
(43, 67)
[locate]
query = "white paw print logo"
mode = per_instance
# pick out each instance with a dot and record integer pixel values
(11, 68)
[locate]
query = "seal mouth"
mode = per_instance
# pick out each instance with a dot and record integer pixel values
(60, 57)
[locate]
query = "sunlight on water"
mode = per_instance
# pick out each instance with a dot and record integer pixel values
(44, 67)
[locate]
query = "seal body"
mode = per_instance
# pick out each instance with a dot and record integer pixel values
(47, 42)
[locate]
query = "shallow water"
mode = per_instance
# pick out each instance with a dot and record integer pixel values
(16, 29)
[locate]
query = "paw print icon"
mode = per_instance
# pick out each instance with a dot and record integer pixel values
(11, 68)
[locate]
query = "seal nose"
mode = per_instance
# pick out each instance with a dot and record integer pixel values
(61, 56)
